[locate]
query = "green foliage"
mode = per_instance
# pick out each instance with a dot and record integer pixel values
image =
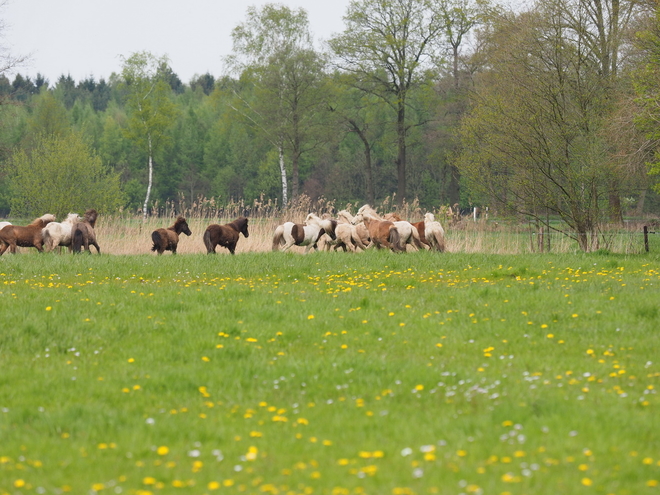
(61, 174)
(149, 103)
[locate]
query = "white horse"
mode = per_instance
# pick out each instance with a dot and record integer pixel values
(59, 234)
(295, 234)
(407, 232)
(434, 233)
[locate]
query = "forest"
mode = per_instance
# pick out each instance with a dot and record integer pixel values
(548, 111)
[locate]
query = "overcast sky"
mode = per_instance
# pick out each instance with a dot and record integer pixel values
(86, 37)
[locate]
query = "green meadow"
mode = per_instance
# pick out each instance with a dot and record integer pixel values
(273, 373)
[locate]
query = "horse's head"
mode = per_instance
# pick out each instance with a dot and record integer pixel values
(244, 226)
(90, 216)
(359, 218)
(72, 218)
(344, 216)
(429, 217)
(312, 219)
(44, 220)
(181, 226)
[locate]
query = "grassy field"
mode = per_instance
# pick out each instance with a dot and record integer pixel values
(330, 374)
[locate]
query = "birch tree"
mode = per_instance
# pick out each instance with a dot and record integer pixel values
(273, 48)
(151, 109)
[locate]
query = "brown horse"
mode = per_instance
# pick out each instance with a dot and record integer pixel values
(225, 235)
(83, 234)
(12, 236)
(421, 230)
(167, 239)
(383, 233)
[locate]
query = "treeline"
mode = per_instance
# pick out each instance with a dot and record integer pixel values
(211, 150)
(359, 122)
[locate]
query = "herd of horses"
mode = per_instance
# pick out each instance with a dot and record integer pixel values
(44, 232)
(347, 232)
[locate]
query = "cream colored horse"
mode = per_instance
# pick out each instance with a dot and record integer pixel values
(407, 232)
(434, 233)
(350, 236)
(59, 234)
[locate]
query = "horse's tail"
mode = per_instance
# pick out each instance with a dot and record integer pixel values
(48, 240)
(417, 241)
(207, 242)
(278, 237)
(155, 237)
(77, 240)
(395, 239)
(439, 236)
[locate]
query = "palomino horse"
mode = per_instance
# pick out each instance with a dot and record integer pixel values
(348, 235)
(407, 233)
(82, 234)
(167, 239)
(393, 217)
(294, 234)
(383, 233)
(225, 235)
(12, 236)
(59, 234)
(435, 234)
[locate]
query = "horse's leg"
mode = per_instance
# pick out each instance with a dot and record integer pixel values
(98, 249)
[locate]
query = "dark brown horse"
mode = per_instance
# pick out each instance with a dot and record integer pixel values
(83, 234)
(225, 235)
(12, 236)
(167, 239)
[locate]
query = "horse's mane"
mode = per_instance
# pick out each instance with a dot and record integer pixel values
(43, 219)
(179, 221)
(240, 222)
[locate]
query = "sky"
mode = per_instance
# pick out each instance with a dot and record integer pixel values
(84, 38)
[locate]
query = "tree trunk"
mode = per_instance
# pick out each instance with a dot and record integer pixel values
(285, 191)
(614, 199)
(401, 156)
(371, 196)
(150, 181)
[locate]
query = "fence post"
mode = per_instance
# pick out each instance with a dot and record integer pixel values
(646, 238)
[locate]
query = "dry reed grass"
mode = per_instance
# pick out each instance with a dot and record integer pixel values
(127, 234)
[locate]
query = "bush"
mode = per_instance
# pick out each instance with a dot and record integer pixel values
(61, 174)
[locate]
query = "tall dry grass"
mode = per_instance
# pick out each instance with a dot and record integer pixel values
(129, 234)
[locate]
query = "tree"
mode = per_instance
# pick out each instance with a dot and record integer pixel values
(532, 140)
(646, 79)
(460, 17)
(386, 47)
(151, 109)
(61, 174)
(273, 50)
(49, 116)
